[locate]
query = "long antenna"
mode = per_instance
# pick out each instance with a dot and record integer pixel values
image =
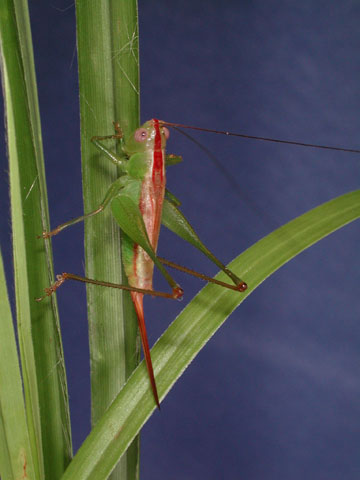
(264, 139)
(260, 212)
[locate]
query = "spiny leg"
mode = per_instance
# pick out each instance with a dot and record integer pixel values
(177, 292)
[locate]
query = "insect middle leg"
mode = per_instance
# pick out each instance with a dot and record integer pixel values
(110, 194)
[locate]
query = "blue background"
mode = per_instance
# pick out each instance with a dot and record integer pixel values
(275, 394)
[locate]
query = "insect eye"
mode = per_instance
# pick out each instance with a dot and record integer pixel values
(166, 132)
(141, 135)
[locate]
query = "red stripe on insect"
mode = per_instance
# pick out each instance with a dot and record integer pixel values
(158, 166)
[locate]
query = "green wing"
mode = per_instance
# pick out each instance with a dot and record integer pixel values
(127, 214)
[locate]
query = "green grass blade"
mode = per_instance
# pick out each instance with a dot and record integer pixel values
(40, 345)
(15, 453)
(193, 328)
(107, 35)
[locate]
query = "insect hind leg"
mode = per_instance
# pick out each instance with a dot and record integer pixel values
(239, 287)
(176, 294)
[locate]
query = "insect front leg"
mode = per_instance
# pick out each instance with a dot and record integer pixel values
(117, 159)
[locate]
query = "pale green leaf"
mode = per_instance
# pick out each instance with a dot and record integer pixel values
(40, 345)
(107, 39)
(193, 328)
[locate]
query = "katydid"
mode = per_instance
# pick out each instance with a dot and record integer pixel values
(140, 203)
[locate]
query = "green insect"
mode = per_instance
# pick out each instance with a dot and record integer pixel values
(140, 203)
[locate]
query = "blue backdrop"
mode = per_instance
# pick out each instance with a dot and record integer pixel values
(275, 394)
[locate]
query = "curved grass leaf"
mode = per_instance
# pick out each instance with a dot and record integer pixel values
(193, 328)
